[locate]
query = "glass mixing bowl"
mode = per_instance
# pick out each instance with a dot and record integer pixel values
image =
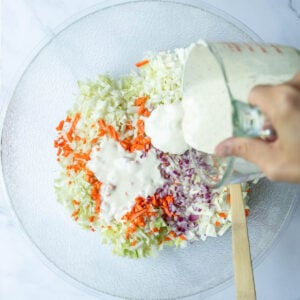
(111, 37)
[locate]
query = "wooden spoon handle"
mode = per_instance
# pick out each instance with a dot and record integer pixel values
(243, 273)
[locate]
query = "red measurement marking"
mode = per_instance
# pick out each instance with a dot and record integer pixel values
(250, 48)
(263, 49)
(237, 47)
(278, 50)
(230, 46)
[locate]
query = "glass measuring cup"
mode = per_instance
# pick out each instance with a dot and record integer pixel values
(216, 83)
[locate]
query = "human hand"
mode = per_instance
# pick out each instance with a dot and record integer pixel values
(279, 160)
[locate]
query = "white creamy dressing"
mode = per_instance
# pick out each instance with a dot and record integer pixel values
(164, 128)
(203, 117)
(206, 110)
(124, 177)
(206, 103)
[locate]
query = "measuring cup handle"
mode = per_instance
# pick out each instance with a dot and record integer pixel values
(249, 121)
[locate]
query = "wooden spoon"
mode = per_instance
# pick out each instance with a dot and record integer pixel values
(243, 273)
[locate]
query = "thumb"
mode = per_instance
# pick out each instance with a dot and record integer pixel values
(254, 150)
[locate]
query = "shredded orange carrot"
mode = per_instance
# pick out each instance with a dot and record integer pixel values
(222, 215)
(140, 213)
(97, 206)
(152, 214)
(166, 209)
(140, 142)
(172, 234)
(59, 151)
(140, 101)
(75, 202)
(247, 211)
(102, 132)
(78, 165)
(102, 124)
(228, 199)
(96, 184)
(112, 133)
(84, 156)
(68, 119)
(69, 134)
(132, 228)
(125, 144)
(69, 137)
(217, 224)
(182, 237)
(138, 206)
(60, 142)
(141, 223)
(146, 113)
(76, 119)
(142, 63)
(66, 153)
(89, 173)
(141, 109)
(64, 148)
(170, 199)
(154, 201)
(74, 124)
(92, 219)
(133, 243)
(75, 212)
(60, 125)
(94, 141)
(128, 126)
(140, 126)
(137, 214)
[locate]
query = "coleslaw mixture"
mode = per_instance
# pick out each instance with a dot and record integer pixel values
(114, 181)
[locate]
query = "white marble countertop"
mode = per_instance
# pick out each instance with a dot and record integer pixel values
(24, 24)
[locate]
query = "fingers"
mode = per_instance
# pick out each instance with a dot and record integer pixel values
(263, 97)
(296, 80)
(266, 156)
(254, 150)
(276, 102)
(279, 159)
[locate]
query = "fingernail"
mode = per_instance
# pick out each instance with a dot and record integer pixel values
(223, 150)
